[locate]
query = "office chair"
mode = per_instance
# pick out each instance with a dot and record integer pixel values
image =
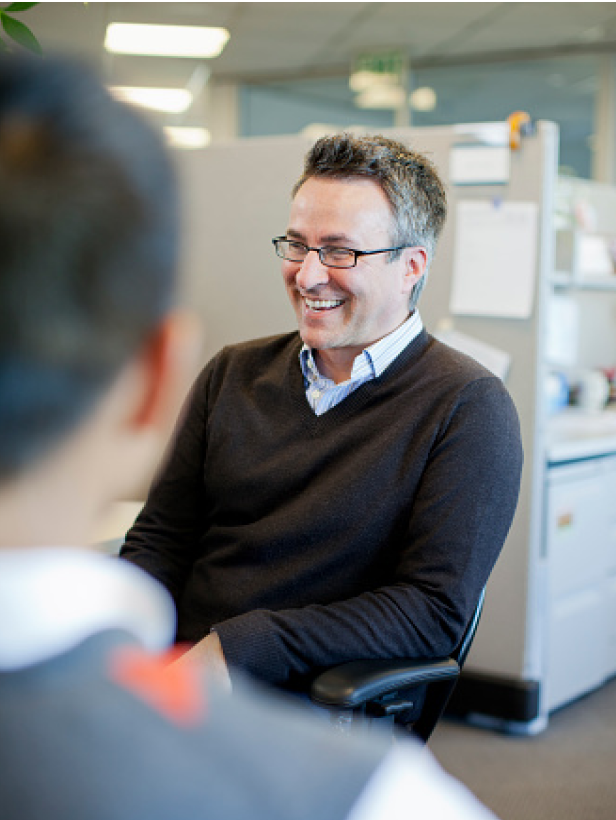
(412, 693)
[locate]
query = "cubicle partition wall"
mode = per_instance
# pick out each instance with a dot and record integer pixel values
(486, 294)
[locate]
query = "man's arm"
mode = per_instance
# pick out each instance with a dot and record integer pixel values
(457, 524)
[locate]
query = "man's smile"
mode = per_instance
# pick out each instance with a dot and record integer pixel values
(322, 304)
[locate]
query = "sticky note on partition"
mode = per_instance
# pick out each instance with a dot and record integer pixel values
(477, 164)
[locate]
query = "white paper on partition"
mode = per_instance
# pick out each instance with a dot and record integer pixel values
(494, 259)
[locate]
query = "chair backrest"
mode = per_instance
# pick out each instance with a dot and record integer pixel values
(437, 696)
(462, 651)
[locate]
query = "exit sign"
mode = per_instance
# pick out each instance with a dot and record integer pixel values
(383, 63)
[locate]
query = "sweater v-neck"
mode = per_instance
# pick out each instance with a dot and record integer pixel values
(358, 397)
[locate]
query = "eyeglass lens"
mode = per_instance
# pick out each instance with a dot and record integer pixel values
(297, 252)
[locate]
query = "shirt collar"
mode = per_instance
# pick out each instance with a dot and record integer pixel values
(51, 599)
(377, 356)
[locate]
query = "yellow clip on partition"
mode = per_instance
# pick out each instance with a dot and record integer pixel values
(520, 125)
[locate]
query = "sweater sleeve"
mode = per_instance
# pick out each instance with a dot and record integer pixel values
(457, 524)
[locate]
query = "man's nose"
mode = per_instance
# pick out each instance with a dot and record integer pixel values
(312, 272)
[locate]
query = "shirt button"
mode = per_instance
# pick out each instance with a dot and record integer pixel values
(317, 394)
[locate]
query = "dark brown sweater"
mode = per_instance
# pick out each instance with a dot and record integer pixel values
(309, 540)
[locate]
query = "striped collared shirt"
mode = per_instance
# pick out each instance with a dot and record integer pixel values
(323, 393)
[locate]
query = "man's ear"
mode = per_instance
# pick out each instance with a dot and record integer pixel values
(167, 365)
(416, 260)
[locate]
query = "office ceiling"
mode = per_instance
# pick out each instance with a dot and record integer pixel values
(319, 42)
(271, 41)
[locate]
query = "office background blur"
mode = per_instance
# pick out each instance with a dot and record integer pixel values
(286, 66)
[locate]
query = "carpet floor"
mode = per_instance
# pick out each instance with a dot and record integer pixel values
(568, 772)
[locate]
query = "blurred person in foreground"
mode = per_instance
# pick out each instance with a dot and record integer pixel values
(95, 724)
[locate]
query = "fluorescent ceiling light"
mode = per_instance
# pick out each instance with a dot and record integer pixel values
(381, 96)
(184, 137)
(169, 100)
(165, 41)
(423, 99)
(363, 80)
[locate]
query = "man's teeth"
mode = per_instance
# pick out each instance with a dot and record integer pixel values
(322, 304)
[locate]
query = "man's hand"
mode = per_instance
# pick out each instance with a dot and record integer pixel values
(208, 652)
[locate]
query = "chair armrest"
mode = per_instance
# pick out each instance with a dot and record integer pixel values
(353, 684)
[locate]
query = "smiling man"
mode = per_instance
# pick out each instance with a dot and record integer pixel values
(344, 491)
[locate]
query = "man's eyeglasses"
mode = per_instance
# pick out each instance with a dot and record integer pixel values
(294, 251)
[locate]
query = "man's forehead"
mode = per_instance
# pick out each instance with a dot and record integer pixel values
(340, 208)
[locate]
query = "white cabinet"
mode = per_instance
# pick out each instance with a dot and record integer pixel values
(580, 553)
(610, 578)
